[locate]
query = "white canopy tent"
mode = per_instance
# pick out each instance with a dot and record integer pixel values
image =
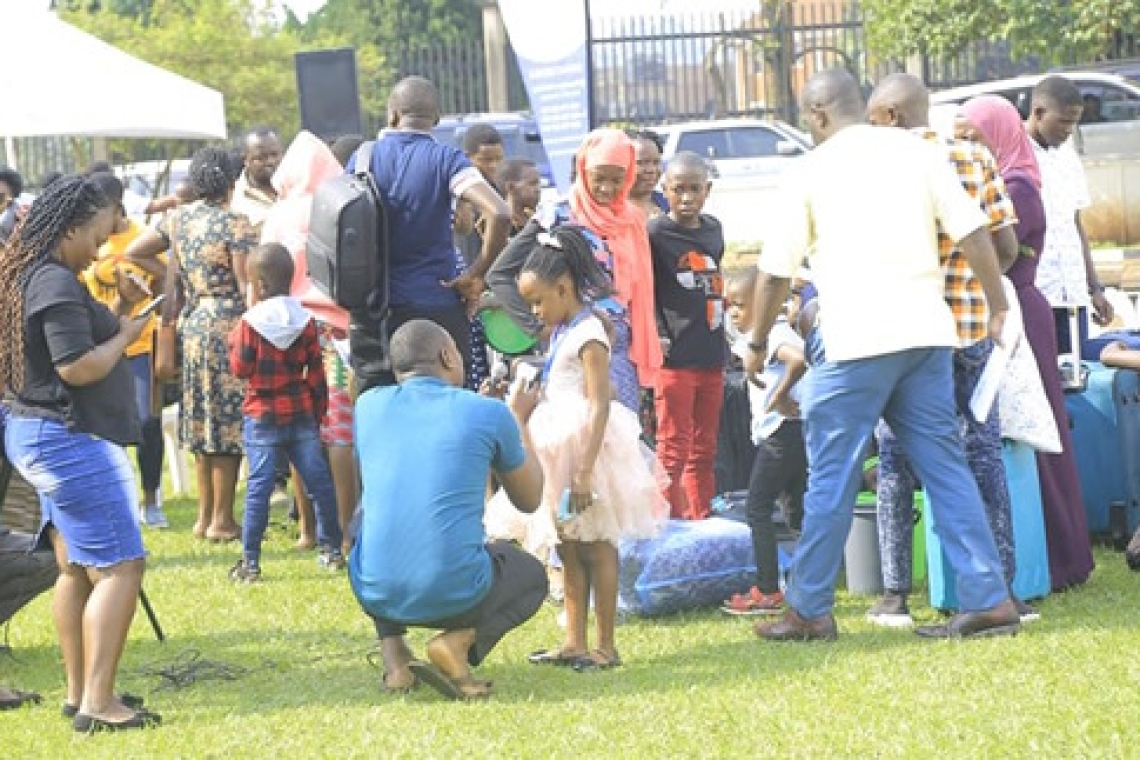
(58, 80)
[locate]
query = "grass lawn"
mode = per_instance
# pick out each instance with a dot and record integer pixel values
(295, 650)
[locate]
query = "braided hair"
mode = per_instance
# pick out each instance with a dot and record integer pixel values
(68, 203)
(212, 174)
(567, 252)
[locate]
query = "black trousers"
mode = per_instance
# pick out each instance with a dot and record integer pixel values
(780, 468)
(517, 591)
(368, 340)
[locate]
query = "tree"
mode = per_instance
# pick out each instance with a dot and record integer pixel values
(1057, 31)
(382, 31)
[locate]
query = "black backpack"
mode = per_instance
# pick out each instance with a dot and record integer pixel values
(347, 249)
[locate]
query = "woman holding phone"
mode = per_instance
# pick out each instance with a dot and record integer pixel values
(72, 410)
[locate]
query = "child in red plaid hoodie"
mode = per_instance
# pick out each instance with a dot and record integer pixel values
(277, 349)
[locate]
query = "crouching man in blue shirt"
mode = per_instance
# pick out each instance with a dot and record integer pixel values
(426, 448)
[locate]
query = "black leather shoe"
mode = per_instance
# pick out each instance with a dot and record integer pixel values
(1002, 620)
(88, 724)
(19, 699)
(793, 627)
(128, 700)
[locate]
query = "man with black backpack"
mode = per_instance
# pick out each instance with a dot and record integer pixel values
(419, 180)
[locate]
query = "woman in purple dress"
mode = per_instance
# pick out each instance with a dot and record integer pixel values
(994, 121)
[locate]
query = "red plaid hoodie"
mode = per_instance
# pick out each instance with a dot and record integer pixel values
(277, 349)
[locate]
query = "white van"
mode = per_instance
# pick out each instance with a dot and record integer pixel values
(1108, 140)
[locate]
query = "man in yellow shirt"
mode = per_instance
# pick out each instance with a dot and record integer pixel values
(106, 278)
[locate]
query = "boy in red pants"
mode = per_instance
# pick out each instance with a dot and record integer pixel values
(687, 249)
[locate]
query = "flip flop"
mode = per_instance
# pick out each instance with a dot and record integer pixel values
(554, 657)
(429, 674)
(398, 690)
(596, 660)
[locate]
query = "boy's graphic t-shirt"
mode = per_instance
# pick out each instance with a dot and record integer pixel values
(689, 291)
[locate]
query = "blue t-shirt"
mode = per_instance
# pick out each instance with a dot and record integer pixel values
(425, 450)
(414, 173)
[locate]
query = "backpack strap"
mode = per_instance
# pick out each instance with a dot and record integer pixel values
(363, 162)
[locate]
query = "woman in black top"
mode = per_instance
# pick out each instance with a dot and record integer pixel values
(72, 410)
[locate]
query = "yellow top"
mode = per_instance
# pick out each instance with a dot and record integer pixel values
(100, 280)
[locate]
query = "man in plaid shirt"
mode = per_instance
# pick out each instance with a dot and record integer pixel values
(901, 100)
(277, 349)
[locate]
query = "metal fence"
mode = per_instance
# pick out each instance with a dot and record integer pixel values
(36, 156)
(704, 64)
(458, 69)
(652, 69)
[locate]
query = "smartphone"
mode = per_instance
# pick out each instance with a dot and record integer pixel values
(140, 283)
(150, 307)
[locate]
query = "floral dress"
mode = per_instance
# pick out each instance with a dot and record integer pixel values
(206, 237)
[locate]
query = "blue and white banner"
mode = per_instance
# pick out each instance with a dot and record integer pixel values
(549, 39)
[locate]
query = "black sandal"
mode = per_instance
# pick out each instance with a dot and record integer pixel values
(398, 690)
(597, 660)
(455, 689)
(555, 657)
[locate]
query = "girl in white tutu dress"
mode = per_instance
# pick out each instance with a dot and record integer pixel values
(598, 486)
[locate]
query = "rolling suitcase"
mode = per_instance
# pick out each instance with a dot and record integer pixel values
(1032, 578)
(1097, 445)
(1126, 403)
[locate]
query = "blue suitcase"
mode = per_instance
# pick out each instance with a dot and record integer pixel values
(1096, 444)
(1126, 400)
(1032, 578)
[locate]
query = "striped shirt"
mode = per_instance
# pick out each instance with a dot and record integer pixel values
(978, 173)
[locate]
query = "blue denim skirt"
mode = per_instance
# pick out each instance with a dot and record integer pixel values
(86, 487)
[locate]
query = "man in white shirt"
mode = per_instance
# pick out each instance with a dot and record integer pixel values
(1065, 274)
(254, 193)
(866, 206)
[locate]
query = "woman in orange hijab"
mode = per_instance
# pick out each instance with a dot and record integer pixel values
(599, 201)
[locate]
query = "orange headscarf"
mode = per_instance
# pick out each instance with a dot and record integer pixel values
(623, 228)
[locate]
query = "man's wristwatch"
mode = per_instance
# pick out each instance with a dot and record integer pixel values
(1094, 289)
(758, 348)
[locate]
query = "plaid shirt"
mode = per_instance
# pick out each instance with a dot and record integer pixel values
(978, 174)
(285, 386)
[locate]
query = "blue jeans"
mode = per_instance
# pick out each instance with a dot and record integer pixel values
(982, 442)
(300, 441)
(913, 391)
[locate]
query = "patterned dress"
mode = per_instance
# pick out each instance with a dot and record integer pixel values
(623, 374)
(206, 237)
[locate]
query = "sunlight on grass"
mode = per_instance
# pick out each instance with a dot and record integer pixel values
(296, 648)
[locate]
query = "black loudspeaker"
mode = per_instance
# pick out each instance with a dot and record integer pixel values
(327, 92)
